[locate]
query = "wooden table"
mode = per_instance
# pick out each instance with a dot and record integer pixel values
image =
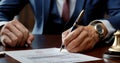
(47, 41)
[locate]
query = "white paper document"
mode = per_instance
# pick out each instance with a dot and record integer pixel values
(49, 55)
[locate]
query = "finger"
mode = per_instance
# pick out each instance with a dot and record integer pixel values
(64, 34)
(6, 40)
(12, 37)
(30, 39)
(72, 35)
(81, 47)
(15, 31)
(24, 31)
(77, 41)
(2, 40)
(91, 43)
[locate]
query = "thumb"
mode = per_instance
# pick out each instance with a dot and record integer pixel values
(30, 39)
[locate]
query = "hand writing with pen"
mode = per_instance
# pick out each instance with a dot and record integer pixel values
(81, 39)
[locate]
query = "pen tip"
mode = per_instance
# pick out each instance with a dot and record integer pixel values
(60, 49)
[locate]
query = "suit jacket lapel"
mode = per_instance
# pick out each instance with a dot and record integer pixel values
(46, 8)
(78, 8)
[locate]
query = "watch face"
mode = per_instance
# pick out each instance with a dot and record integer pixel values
(99, 29)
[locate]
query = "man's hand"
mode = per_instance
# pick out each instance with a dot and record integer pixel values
(15, 34)
(81, 39)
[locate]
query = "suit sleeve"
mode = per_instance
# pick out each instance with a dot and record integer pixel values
(114, 13)
(10, 8)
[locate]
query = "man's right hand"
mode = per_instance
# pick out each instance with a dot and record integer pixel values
(15, 34)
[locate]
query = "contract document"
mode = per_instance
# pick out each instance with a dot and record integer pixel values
(49, 55)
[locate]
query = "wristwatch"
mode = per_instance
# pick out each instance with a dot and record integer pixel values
(99, 29)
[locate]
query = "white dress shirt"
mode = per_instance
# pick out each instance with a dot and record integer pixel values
(60, 6)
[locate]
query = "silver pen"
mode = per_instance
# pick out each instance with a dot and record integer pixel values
(75, 25)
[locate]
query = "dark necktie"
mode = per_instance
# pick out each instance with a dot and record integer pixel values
(66, 11)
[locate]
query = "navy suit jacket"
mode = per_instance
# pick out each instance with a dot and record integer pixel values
(94, 9)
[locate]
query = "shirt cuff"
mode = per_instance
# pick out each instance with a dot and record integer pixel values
(3, 23)
(108, 26)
